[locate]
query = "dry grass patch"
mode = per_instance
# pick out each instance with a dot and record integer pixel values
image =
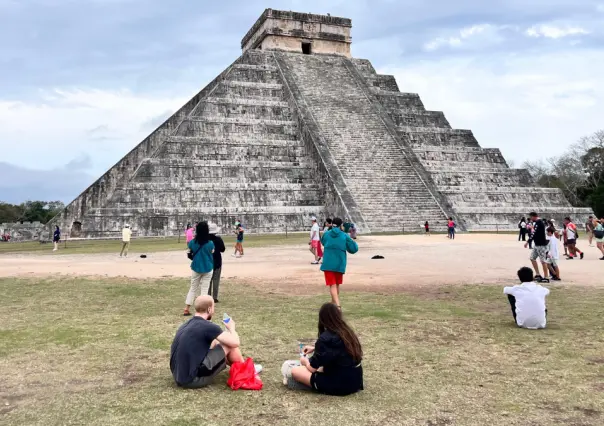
(84, 351)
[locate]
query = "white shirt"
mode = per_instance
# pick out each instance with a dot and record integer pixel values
(552, 247)
(315, 229)
(570, 232)
(126, 234)
(530, 304)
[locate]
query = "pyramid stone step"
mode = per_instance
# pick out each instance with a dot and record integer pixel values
(278, 112)
(422, 119)
(241, 152)
(234, 140)
(219, 127)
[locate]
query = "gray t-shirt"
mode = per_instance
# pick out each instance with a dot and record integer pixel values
(190, 347)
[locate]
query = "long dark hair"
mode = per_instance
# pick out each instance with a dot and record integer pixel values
(202, 233)
(330, 318)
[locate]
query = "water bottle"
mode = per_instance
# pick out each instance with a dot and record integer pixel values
(226, 318)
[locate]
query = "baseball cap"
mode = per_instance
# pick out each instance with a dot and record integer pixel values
(313, 218)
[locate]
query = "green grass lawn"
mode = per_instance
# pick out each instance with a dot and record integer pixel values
(144, 245)
(95, 352)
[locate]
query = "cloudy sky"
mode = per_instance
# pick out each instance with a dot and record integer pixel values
(83, 81)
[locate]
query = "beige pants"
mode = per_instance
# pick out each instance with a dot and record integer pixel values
(200, 283)
(125, 245)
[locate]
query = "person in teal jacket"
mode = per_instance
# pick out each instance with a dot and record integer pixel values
(202, 264)
(336, 243)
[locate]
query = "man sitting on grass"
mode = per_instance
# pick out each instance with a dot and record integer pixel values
(528, 301)
(201, 349)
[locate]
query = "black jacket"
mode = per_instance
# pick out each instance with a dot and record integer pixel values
(219, 248)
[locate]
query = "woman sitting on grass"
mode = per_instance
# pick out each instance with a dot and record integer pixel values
(335, 365)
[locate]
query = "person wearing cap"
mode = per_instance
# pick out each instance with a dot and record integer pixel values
(126, 235)
(219, 248)
(315, 241)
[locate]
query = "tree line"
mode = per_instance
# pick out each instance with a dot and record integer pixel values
(30, 211)
(579, 172)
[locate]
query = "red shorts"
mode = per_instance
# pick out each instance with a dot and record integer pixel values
(333, 278)
(316, 244)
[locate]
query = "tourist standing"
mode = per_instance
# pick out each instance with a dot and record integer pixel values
(239, 231)
(427, 228)
(56, 237)
(540, 249)
(315, 241)
(126, 235)
(189, 233)
(219, 248)
(589, 230)
(337, 243)
(599, 235)
(451, 228)
(571, 238)
(522, 230)
(530, 230)
(326, 226)
(202, 264)
(553, 253)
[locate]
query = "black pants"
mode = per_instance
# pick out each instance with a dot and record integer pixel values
(522, 235)
(530, 241)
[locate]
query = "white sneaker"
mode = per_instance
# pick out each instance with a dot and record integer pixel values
(258, 368)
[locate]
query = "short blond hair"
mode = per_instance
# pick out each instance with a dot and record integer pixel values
(203, 303)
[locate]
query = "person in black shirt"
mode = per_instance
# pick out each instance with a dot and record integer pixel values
(201, 349)
(219, 248)
(335, 366)
(540, 249)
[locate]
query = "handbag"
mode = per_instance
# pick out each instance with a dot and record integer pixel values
(242, 375)
(192, 255)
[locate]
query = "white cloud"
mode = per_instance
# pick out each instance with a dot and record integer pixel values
(555, 32)
(458, 39)
(528, 106)
(64, 124)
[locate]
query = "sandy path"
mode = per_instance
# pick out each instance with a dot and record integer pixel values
(409, 261)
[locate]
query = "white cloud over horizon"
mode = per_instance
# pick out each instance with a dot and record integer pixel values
(78, 93)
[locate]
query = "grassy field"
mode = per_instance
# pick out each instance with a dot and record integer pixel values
(75, 351)
(143, 245)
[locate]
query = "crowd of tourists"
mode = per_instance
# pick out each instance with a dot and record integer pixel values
(543, 238)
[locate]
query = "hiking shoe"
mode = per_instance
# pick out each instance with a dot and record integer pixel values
(582, 254)
(258, 368)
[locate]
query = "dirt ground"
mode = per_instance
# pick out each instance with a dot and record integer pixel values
(410, 262)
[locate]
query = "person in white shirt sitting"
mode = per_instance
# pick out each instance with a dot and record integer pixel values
(528, 301)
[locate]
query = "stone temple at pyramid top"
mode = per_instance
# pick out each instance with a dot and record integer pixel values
(299, 32)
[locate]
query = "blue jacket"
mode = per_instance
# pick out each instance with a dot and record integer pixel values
(335, 245)
(203, 262)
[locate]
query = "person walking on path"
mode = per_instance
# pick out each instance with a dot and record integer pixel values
(599, 235)
(56, 237)
(589, 230)
(189, 233)
(427, 228)
(239, 231)
(202, 264)
(315, 241)
(126, 235)
(571, 238)
(540, 249)
(219, 248)
(336, 243)
(522, 230)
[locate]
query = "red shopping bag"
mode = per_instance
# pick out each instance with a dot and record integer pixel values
(243, 376)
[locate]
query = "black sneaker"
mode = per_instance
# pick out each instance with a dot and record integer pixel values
(538, 278)
(582, 254)
(569, 258)
(556, 279)
(602, 258)
(216, 301)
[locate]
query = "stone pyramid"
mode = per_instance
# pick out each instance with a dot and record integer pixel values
(295, 127)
